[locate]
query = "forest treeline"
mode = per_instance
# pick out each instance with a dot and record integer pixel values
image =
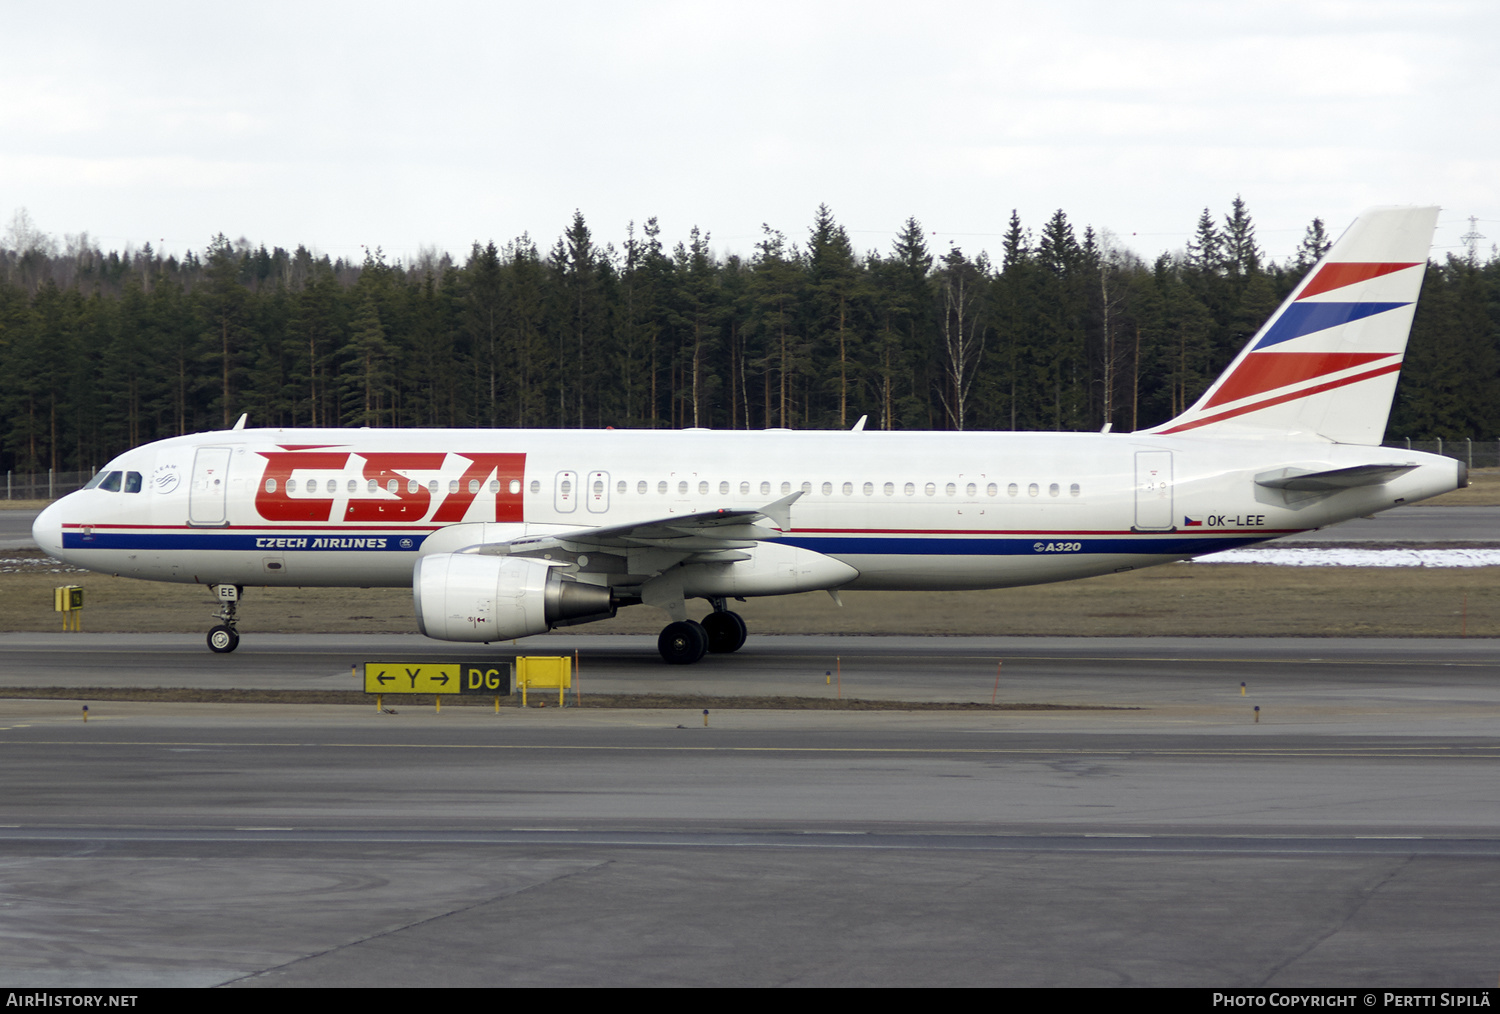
(1069, 331)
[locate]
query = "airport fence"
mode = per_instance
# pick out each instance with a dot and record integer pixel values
(48, 485)
(1474, 453)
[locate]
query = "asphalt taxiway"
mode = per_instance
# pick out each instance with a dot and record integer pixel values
(1157, 834)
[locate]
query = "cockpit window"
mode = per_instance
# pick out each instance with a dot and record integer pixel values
(111, 483)
(96, 480)
(132, 482)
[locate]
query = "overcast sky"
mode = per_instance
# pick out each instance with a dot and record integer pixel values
(344, 125)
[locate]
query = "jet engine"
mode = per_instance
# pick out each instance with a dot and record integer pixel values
(472, 597)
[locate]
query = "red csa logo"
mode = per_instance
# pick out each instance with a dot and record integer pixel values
(385, 488)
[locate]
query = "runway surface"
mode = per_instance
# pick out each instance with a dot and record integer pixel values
(1158, 835)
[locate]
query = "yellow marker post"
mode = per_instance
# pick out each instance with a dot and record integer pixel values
(1242, 689)
(68, 600)
(544, 671)
(85, 712)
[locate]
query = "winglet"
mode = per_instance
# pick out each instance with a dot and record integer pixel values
(860, 426)
(240, 424)
(780, 512)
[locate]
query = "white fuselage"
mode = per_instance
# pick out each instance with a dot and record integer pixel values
(905, 510)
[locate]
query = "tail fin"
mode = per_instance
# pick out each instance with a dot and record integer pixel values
(1324, 366)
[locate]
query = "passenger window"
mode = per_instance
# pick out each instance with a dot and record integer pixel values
(1033, 489)
(661, 487)
(291, 485)
(744, 489)
(536, 485)
(971, 490)
(270, 485)
(1054, 489)
(806, 488)
(354, 485)
(889, 489)
(951, 489)
(869, 489)
(930, 489)
(991, 490)
(621, 487)
(682, 487)
(786, 488)
(453, 485)
(132, 482)
(1012, 489)
(702, 487)
(765, 489)
(723, 487)
(312, 485)
(910, 489)
(828, 489)
(1073, 490)
(641, 487)
(474, 486)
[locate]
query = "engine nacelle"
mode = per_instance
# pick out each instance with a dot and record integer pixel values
(474, 597)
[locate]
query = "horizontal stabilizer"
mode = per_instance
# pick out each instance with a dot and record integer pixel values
(1332, 479)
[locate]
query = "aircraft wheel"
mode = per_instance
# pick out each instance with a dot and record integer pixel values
(682, 643)
(726, 632)
(223, 639)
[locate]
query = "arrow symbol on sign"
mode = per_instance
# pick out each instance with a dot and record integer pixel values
(381, 677)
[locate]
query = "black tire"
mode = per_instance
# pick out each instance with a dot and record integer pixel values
(682, 643)
(223, 639)
(726, 632)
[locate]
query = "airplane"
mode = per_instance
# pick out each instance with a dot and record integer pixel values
(507, 533)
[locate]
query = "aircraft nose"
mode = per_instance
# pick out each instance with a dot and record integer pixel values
(46, 530)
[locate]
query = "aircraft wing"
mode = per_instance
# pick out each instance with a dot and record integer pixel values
(708, 531)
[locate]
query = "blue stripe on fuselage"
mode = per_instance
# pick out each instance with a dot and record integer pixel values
(885, 545)
(834, 545)
(235, 541)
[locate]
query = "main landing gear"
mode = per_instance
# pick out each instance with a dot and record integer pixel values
(687, 641)
(224, 638)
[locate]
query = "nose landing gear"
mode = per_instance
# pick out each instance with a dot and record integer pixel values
(224, 638)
